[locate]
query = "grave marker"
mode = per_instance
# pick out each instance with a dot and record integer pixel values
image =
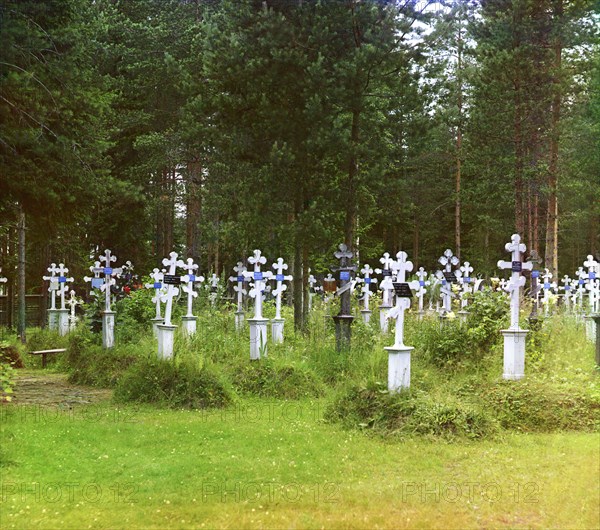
(52, 288)
(166, 330)
(73, 302)
(239, 288)
(277, 323)
(159, 291)
(366, 271)
(514, 336)
(188, 281)
(421, 290)
(258, 324)
(387, 289)
(447, 260)
(343, 320)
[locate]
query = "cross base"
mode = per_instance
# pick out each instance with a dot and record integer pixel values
(188, 325)
(596, 318)
(462, 315)
(155, 323)
(258, 337)
(166, 339)
(343, 332)
(63, 321)
(398, 367)
(277, 329)
(108, 329)
(383, 320)
(239, 320)
(590, 327)
(366, 315)
(53, 319)
(514, 353)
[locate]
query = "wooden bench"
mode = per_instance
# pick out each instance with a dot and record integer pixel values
(43, 353)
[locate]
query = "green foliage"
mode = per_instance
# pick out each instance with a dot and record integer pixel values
(7, 381)
(489, 311)
(282, 380)
(172, 384)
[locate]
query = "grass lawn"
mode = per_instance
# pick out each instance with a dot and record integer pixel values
(276, 464)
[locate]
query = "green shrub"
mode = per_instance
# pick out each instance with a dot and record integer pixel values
(267, 378)
(408, 412)
(172, 384)
(7, 382)
(542, 407)
(489, 311)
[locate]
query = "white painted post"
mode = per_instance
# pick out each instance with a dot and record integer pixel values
(421, 290)
(52, 288)
(277, 323)
(258, 324)
(387, 289)
(188, 281)
(514, 336)
(239, 279)
(166, 331)
(399, 353)
(159, 292)
(366, 271)
(447, 260)
(108, 316)
(63, 312)
(566, 287)
(311, 289)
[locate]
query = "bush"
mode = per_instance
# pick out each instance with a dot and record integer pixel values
(172, 384)
(267, 378)
(9, 355)
(408, 412)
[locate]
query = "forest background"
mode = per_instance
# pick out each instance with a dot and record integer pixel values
(213, 127)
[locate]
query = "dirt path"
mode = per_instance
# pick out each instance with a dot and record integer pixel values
(36, 387)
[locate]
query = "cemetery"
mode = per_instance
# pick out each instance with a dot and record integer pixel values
(299, 265)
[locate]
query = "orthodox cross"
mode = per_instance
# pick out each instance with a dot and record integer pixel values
(188, 282)
(239, 270)
(279, 267)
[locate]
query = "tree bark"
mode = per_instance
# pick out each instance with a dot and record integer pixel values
(22, 320)
(194, 205)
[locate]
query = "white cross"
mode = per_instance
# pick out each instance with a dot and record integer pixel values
(62, 282)
(257, 259)
(516, 248)
(53, 284)
(159, 290)
(448, 259)
(311, 282)
(239, 269)
(72, 302)
(401, 266)
(279, 267)
(188, 282)
(422, 289)
(386, 284)
(366, 271)
(566, 281)
(2, 280)
(171, 262)
(108, 272)
(445, 291)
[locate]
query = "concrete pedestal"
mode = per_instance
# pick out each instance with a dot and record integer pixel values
(239, 320)
(258, 337)
(63, 321)
(514, 353)
(188, 325)
(277, 329)
(155, 323)
(366, 315)
(343, 331)
(383, 320)
(166, 338)
(53, 319)
(398, 367)
(590, 327)
(108, 329)
(596, 318)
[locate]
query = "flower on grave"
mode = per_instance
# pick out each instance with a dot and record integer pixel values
(455, 287)
(450, 315)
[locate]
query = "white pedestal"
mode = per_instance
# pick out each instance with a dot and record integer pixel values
(366, 315)
(277, 329)
(63, 321)
(258, 337)
(590, 328)
(514, 353)
(398, 367)
(155, 323)
(462, 315)
(53, 319)
(108, 329)
(383, 320)
(239, 320)
(166, 338)
(188, 325)
(420, 315)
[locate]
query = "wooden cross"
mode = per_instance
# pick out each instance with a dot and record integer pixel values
(516, 266)
(108, 272)
(167, 297)
(158, 276)
(53, 287)
(259, 278)
(279, 267)
(188, 282)
(366, 271)
(62, 282)
(239, 270)
(386, 284)
(422, 289)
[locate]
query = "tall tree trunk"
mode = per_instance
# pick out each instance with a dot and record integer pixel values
(518, 141)
(193, 201)
(552, 216)
(351, 207)
(457, 200)
(22, 320)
